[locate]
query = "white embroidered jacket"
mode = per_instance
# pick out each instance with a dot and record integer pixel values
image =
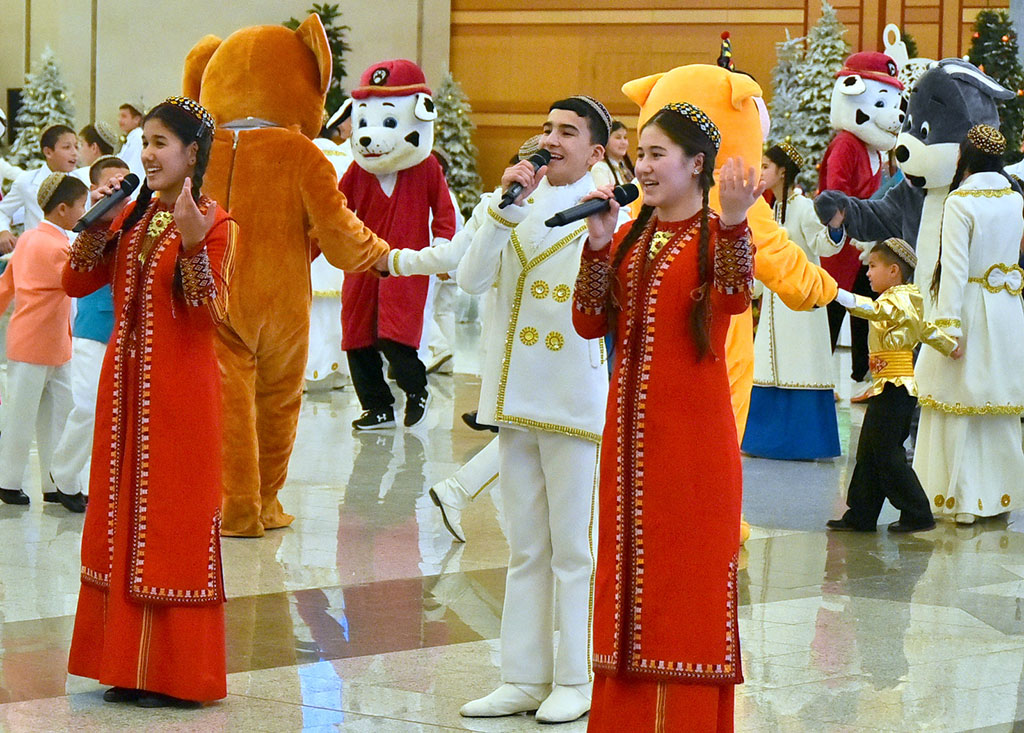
(538, 372)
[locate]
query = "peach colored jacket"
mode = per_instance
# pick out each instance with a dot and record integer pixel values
(40, 328)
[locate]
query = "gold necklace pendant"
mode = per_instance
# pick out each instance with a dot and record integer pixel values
(658, 241)
(160, 221)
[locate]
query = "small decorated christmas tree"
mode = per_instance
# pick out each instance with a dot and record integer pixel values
(826, 51)
(45, 101)
(994, 51)
(785, 105)
(330, 16)
(453, 133)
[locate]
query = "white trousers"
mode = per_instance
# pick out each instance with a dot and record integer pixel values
(478, 473)
(548, 484)
(74, 449)
(38, 396)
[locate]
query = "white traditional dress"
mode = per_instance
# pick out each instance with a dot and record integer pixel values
(969, 455)
(792, 407)
(325, 356)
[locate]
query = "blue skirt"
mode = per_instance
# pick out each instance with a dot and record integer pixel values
(792, 424)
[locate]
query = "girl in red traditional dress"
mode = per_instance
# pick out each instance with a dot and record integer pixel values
(666, 642)
(150, 617)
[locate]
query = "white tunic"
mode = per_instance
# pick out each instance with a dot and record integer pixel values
(538, 372)
(792, 349)
(23, 199)
(969, 455)
(131, 153)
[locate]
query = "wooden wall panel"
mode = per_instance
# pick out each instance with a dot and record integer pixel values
(514, 57)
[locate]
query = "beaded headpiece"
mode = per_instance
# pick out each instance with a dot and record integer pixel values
(107, 134)
(987, 139)
(602, 111)
(529, 147)
(48, 188)
(902, 250)
(196, 110)
(698, 117)
(792, 154)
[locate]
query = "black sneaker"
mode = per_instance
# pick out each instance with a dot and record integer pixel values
(416, 408)
(375, 420)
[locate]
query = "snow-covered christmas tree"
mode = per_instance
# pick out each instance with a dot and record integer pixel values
(785, 105)
(826, 51)
(994, 51)
(453, 133)
(45, 101)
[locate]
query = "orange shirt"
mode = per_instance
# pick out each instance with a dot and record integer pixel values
(40, 328)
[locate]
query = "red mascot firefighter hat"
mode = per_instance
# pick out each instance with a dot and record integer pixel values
(871, 65)
(395, 78)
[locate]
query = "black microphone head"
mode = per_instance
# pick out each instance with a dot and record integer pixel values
(540, 159)
(129, 183)
(626, 194)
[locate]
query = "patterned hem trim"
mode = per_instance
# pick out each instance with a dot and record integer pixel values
(958, 409)
(794, 385)
(548, 427)
(87, 251)
(197, 281)
(984, 193)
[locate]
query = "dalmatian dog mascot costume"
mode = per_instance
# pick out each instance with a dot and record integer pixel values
(398, 189)
(947, 101)
(867, 110)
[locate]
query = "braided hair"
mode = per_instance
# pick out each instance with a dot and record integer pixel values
(685, 133)
(188, 129)
(790, 169)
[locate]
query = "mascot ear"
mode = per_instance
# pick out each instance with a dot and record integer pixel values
(195, 65)
(426, 110)
(312, 33)
(743, 88)
(852, 85)
(639, 89)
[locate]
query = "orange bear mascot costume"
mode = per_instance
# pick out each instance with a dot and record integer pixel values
(728, 99)
(266, 86)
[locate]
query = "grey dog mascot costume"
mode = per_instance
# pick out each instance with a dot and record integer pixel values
(947, 101)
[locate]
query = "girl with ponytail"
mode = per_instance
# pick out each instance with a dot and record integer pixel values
(670, 484)
(150, 620)
(792, 404)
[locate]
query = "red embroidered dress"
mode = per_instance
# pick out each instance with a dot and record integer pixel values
(666, 641)
(150, 610)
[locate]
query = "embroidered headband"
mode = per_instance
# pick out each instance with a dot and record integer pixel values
(792, 154)
(902, 250)
(195, 109)
(698, 117)
(601, 110)
(987, 139)
(48, 188)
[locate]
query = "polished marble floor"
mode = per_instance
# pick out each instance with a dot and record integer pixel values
(365, 616)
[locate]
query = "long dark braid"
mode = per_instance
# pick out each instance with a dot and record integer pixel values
(635, 230)
(790, 170)
(700, 317)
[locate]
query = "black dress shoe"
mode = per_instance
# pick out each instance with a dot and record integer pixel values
(470, 419)
(72, 502)
(903, 527)
(13, 496)
(156, 700)
(122, 694)
(841, 525)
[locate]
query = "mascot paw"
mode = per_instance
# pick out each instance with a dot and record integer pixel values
(277, 520)
(828, 204)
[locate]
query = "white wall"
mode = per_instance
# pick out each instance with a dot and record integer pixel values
(141, 46)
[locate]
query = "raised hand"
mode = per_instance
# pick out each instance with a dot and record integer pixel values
(736, 192)
(601, 226)
(191, 223)
(7, 240)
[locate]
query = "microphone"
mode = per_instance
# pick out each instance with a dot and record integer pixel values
(538, 160)
(97, 212)
(623, 194)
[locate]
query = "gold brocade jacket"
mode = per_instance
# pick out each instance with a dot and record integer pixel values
(897, 327)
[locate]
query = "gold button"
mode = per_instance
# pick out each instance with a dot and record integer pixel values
(980, 507)
(1005, 501)
(334, 367)
(539, 289)
(562, 293)
(529, 336)
(939, 500)
(950, 502)
(554, 341)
